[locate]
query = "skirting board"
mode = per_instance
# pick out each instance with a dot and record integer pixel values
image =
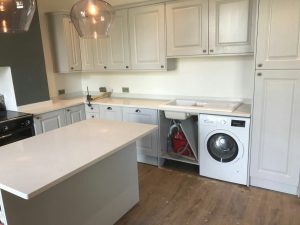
(275, 186)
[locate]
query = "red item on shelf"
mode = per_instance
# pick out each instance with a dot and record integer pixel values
(180, 144)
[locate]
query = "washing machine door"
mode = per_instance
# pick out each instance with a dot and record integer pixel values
(222, 147)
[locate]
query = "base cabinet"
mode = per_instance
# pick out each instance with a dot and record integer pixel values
(75, 114)
(147, 147)
(275, 153)
(53, 120)
(111, 113)
(49, 121)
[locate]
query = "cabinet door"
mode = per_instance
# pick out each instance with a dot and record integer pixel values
(73, 45)
(87, 54)
(278, 45)
(118, 56)
(49, 121)
(149, 144)
(65, 43)
(147, 37)
(232, 26)
(111, 113)
(99, 52)
(276, 130)
(187, 28)
(75, 114)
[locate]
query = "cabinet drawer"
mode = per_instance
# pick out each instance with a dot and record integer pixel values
(109, 112)
(92, 108)
(92, 115)
(140, 115)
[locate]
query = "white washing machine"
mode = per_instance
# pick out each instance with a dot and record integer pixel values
(224, 148)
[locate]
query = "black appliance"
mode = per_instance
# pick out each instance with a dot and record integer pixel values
(15, 126)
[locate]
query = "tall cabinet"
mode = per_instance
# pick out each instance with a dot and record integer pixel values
(275, 153)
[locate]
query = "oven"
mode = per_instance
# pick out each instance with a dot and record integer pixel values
(16, 129)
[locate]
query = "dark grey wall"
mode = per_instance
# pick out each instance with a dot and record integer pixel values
(24, 54)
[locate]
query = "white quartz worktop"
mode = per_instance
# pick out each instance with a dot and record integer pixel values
(130, 102)
(33, 165)
(244, 110)
(49, 106)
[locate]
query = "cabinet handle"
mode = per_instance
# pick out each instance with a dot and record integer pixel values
(37, 117)
(259, 74)
(127, 67)
(92, 108)
(162, 66)
(211, 50)
(105, 67)
(109, 108)
(68, 110)
(93, 117)
(204, 51)
(260, 65)
(137, 111)
(72, 68)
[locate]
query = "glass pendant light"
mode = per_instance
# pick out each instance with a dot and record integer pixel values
(92, 18)
(16, 15)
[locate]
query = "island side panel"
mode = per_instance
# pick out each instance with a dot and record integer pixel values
(2, 210)
(99, 195)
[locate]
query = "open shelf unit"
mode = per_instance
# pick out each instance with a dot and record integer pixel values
(188, 129)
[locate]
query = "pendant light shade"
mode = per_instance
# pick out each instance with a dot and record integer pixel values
(16, 15)
(92, 18)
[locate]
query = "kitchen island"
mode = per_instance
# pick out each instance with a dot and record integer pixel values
(85, 173)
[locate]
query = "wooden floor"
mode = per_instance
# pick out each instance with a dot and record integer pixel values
(170, 197)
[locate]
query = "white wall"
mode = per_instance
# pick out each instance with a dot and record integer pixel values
(226, 77)
(7, 88)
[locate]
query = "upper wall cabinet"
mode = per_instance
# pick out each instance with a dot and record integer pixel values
(147, 37)
(187, 27)
(118, 52)
(278, 45)
(201, 27)
(232, 26)
(93, 55)
(65, 41)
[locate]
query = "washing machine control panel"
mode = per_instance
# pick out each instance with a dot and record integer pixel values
(222, 121)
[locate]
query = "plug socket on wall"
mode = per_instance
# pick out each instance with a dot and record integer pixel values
(102, 89)
(125, 89)
(61, 92)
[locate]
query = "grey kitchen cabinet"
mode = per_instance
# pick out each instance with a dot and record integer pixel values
(109, 112)
(117, 44)
(187, 28)
(232, 26)
(215, 27)
(147, 147)
(92, 111)
(65, 43)
(275, 153)
(278, 45)
(75, 114)
(93, 55)
(147, 37)
(49, 121)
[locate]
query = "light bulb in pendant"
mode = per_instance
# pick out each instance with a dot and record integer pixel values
(2, 7)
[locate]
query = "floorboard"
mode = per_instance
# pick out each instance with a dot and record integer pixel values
(171, 196)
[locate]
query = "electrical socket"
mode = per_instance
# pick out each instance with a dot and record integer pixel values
(125, 89)
(102, 89)
(61, 92)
